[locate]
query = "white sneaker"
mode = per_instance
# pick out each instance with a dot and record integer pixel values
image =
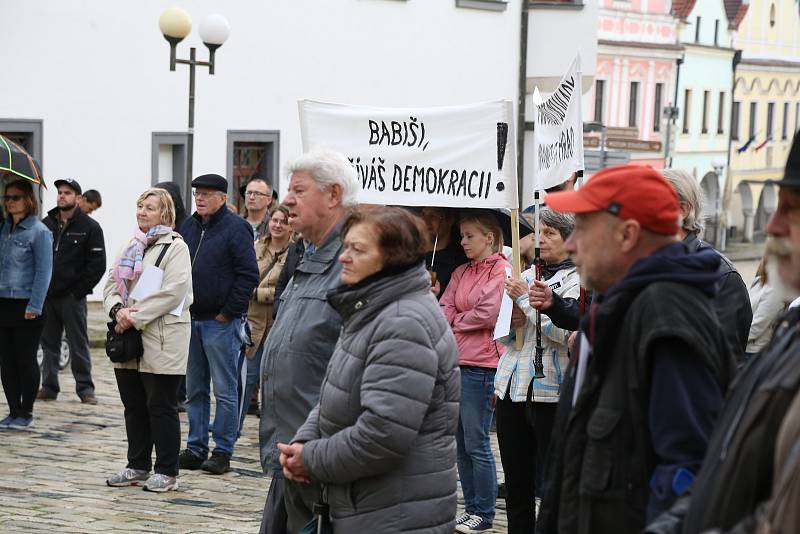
(128, 477)
(160, 483)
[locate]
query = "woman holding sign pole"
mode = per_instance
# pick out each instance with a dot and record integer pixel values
(525, 407)
(471, 304)
(157, 258)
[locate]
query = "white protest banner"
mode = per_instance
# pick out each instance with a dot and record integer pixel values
(558, 132)
(456, 156)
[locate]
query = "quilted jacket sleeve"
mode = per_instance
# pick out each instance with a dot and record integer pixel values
(396, 390)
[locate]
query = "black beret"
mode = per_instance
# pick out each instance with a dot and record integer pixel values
(211, 181)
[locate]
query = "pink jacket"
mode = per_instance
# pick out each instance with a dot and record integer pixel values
(471, 304)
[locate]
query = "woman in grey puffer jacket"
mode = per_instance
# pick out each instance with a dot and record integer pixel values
(382, 438)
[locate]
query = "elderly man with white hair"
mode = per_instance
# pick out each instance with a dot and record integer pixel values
(732, 302)
(322, 186)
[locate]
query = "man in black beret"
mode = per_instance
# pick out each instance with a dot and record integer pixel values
(224, 274)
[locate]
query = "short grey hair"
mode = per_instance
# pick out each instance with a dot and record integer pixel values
(690, 193)
(563, 222)
(328, 167)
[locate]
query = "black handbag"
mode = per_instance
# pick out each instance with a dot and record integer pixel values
(124, 347)
(121, 348)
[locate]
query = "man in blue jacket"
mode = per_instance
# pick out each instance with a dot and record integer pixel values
(224, 274)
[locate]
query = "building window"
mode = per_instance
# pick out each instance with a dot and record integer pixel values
(599, 95)
(168, 161)
(721, 114)
(797, 117)
(697, 30)
(716, 32)
(657, 107)
(735, 121)
(770, 118)
(489, 5)
(704, 126)
(252, 154)
(633, 105)
(753, 120)
(785, 125)
(687, 100)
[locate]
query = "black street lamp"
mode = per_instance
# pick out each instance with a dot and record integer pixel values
(175, 24)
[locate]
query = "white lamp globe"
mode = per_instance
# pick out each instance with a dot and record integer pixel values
(175, 22)
(214, 30)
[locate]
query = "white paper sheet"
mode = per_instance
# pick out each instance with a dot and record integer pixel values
(503, 325)
(149, 282)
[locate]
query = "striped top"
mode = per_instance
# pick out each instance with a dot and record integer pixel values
(515, 369)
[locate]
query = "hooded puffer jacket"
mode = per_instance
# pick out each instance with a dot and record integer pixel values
(382, 438)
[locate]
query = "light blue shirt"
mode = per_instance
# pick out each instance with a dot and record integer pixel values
(26, 262)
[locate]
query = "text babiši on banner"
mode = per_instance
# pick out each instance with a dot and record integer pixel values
(455, 156)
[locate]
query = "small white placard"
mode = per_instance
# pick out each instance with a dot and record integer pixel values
(149, 283)
(503, 325)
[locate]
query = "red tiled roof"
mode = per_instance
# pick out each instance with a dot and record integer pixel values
(682, 8)
(735, 10)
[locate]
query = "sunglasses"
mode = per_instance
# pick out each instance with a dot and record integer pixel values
(13, 198)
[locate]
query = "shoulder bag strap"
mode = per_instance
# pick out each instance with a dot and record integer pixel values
(163, 252)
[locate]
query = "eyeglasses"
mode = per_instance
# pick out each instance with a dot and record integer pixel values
(255, 194)
(280, 221)
(12, 198)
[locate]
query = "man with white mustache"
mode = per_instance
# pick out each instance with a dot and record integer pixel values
(736, 479)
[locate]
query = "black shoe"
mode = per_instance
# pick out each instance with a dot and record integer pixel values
(217, 465)
(501, 491)
(189, 460)
(181, 407)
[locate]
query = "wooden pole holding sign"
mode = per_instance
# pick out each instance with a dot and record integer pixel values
(516, 269)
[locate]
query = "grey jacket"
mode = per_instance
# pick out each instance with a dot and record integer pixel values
(382, 437)
(297, 349)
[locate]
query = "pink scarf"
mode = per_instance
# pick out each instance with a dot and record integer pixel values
(128, 266)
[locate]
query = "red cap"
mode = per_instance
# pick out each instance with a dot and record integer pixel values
(627, 191)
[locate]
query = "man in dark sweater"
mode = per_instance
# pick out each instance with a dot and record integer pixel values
(732, 302)
(651, 365)
(448, 253)
(224, 274)
(79, 261)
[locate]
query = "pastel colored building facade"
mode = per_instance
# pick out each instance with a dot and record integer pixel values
(635, 79)
(706, 30)
(766, 112)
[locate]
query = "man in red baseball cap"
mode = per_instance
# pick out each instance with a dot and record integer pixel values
(652, 363)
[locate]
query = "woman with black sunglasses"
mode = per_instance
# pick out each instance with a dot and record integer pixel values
(26, 263)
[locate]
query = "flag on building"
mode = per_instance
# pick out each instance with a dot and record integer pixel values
(745, 146)
(767, 140)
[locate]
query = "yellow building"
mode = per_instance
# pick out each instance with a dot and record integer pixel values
(765, 113)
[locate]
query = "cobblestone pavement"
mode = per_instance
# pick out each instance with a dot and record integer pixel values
(53, 478)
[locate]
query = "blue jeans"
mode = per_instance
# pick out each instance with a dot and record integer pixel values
(476, 469)
(253, 376)
(213, 360)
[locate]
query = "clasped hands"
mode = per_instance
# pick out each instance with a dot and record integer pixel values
(292, 462)
(125, 319)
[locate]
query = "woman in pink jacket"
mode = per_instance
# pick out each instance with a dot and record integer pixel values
(471, 304)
